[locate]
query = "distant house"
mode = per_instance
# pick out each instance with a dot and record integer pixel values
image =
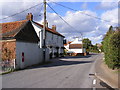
(99, 46)
(75, 47)
(22, 42)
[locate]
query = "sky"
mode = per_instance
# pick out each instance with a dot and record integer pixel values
(90, 27)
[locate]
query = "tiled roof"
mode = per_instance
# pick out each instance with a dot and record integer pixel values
(75, 46)
(20, 30)
(11, 28)
(49, 29)
(67, 43)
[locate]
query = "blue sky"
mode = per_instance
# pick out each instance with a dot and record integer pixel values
(77, 6)
(90, 27)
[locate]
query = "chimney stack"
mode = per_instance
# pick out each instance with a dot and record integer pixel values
(54, 27)
(29, 16)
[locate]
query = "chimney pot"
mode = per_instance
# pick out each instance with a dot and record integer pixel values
(29, 16)
(54, 27)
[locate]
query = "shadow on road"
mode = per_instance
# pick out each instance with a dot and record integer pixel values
(60, 62)
(105, 85)
(73, 57)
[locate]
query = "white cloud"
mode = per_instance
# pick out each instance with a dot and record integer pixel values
(78, 20)
(111, 15)
(96, 39)
(10, 8)
(107, 5)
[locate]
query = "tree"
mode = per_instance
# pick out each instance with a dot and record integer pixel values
(94, 49)
(86, 43)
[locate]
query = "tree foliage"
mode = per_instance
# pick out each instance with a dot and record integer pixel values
(86, 43)
(89, 47)
(111, 47)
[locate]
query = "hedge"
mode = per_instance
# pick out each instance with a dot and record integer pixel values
(111, 46)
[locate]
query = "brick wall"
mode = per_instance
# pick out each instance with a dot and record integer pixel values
(8, 50)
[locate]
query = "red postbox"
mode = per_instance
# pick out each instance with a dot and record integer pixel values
(22, 56)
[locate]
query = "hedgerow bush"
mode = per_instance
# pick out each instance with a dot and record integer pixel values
(114, 50)
(111, 46)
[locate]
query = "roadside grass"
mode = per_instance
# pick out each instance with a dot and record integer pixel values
(9, 71)
(117, 71)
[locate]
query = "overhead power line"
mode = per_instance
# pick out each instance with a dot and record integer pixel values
(81, 12)
(63, 19)
(21, 11)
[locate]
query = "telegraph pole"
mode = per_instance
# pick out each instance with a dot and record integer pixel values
(44, 35)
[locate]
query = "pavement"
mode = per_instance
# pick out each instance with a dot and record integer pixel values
(110, 77)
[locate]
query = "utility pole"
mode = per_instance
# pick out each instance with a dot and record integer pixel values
(44, 35)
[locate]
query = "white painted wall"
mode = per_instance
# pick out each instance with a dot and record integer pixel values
(55, 41)
(39, 32)
(76, 50)
(32, 54)
(51, 39)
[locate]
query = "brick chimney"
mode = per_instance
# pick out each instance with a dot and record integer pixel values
(29, 16)
(54, 27)
(46, 23)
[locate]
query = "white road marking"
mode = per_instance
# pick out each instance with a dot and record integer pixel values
(94, 81)
(94, 88)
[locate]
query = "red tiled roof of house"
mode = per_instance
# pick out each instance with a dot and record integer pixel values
(11, 27)
(75, 46)
(49, 29)
(67, 43)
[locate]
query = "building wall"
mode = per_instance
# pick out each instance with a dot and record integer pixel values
(76, 50)
(54, 41)
(32, 54)
(39, 32)
(51, 40)
(8, 49)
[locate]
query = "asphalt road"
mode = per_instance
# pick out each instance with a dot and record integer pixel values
(67, 72)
